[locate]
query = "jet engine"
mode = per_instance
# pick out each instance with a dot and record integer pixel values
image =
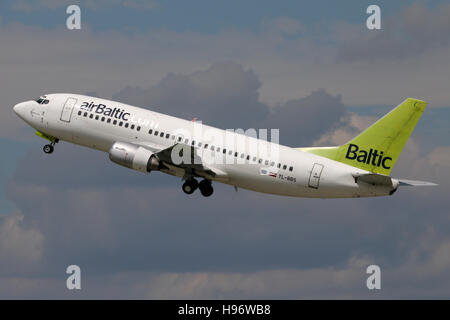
(133, 157)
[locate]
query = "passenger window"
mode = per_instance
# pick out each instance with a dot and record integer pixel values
(179, 139)
(173, 137)
(272, 163)
(85, 114)
(206, 145)
(242, 156)
(193, 143)
(161, 134)
(138, 128)
(91, 116)
(266, 163)
(156, 133)
(260, 161)
(235, 154)
(45, 102)
(108, 120)
(114, 122)
(150, 131)
(254, 159)
(248, 157)
(230, 152)
(126, 124)
(96, 117)
(291, 168)
(279, 165)
(167, 136)
(103, 119)
(199, 144)
(120, 123)
(224, 151)
(284, 167)
(186, 141)
(132, 127)
(79, 113)
(212, 148)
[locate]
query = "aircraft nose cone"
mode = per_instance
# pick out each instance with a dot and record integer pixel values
(20, 109)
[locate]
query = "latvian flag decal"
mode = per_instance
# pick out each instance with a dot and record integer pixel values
(265, 172)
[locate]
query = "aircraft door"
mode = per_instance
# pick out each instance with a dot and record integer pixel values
(66, 113)
(314, 178)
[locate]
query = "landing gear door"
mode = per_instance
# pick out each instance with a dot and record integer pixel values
(314, 178)
(66, 113)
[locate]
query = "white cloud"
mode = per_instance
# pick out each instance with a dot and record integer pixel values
(289, 68)
(21, 247)
(355, 125)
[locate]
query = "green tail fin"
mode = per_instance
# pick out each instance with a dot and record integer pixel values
(379, 146)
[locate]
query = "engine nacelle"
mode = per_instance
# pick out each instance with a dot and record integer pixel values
(133, 157)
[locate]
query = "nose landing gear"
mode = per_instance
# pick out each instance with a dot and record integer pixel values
(48, 148)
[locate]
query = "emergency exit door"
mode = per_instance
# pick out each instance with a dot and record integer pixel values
(314, 178)
(67, 109)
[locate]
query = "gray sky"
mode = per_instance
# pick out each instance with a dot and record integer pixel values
(319, 78)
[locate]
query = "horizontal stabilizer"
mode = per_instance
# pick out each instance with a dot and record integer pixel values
(416, 183)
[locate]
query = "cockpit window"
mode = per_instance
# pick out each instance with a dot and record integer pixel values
(42, 100)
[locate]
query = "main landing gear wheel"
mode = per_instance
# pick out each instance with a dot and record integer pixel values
(48, 148)
(190, 186)
(206, 188)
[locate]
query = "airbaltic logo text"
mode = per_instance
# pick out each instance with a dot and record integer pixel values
(116, 113)
(373, 157)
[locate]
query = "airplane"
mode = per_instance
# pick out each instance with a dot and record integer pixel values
(146, 141)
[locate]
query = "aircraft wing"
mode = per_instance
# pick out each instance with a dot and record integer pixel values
(192, 165)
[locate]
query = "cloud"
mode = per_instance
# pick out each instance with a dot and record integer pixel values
(416, 30)
(440, 156)
(226, 95)
(287, 67)
(34, 5)
(352, 125)
(223, 95)
(137, 235)
(239, 244)
(284, 25)
(21, 246)
(298, 119)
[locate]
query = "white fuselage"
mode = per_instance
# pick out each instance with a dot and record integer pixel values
(283, 170)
